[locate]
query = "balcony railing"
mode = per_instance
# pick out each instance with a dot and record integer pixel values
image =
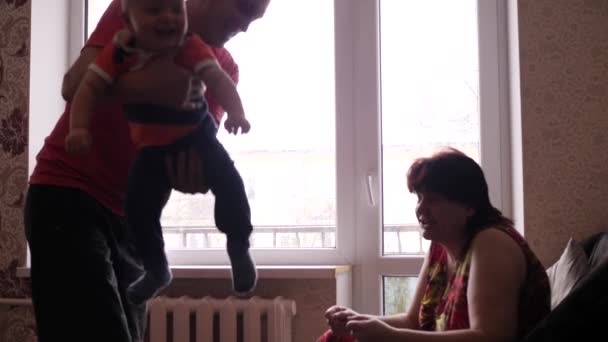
(398, 239)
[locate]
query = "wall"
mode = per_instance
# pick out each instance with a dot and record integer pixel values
(564, 104)
(16, 323)
(48, 20)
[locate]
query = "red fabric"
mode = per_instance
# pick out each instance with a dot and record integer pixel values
(328, 336)
(103, 172)
(191, 55)
(106, 67)
(444, 305)
(111, 22)
(194, 54)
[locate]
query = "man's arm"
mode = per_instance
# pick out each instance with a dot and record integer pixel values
(91, 88)
(72, 78)
(109, 23)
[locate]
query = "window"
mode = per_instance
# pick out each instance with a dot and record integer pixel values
(429, 99)
(342, 96)
(287, 161)
(398, 292)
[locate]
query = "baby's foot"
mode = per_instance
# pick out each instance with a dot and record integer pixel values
(244, 273)
(148, 286)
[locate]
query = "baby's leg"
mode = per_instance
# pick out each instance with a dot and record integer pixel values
(232, 213)
(148, 192)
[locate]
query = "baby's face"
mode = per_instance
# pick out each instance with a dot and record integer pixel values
(158, 25)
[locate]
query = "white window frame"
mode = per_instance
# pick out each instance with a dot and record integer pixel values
(358, 146)
(370, 263)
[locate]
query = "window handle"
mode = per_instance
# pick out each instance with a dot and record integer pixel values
(370, 189)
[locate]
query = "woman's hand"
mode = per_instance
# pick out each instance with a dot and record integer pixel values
(185, 171)
(163, 83)
(367, 328)
(337, 316)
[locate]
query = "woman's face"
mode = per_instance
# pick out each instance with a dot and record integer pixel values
(441, 219)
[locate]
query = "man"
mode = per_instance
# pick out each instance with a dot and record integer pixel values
(81, 254)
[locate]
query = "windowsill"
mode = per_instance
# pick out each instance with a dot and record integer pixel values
(264, 272)
(342, 274)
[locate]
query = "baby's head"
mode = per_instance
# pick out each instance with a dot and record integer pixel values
(157, 25)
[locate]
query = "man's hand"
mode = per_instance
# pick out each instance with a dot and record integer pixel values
(185, 171)
(234, 122)
(78, 141)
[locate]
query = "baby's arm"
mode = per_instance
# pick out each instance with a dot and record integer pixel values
(90, 89)
(224, 91)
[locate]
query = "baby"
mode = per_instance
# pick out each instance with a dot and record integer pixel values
(157, 29)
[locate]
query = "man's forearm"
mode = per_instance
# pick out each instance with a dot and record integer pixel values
(69, 86)
(73, 77)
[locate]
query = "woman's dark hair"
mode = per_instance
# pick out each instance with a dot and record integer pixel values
(459, 178)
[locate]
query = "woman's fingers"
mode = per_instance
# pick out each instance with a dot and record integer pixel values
(333, 310)
(344, 315)
(355, 318)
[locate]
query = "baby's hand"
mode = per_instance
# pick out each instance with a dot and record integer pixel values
(78, 141)
(234, 122)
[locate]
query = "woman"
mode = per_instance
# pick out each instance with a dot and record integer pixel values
(479, 282)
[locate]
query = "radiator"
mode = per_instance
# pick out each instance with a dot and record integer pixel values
(221, 320)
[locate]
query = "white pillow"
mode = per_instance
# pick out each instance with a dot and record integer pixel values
(599, 255)
(567, 271)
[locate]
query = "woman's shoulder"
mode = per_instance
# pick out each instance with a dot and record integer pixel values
(498, 235)
(495, 234)
(499, 241)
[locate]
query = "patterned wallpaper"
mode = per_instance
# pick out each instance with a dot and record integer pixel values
(16, 323)
(564, 79)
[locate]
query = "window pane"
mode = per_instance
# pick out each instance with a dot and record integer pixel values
(95, 9)
(287, 161)
(398, 293)
(430, 99)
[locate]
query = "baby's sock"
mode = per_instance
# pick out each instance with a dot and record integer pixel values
(148, 285)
